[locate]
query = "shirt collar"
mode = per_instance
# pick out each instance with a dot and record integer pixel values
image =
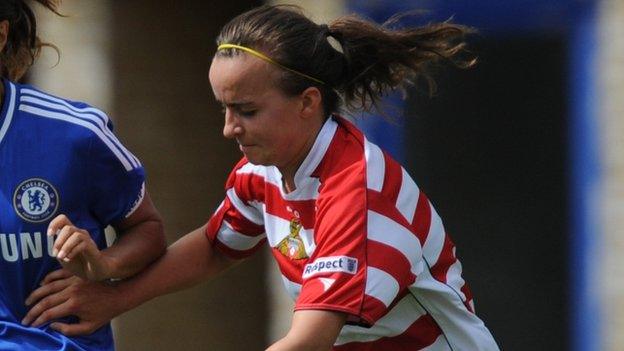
(316, 153)
(8, 107)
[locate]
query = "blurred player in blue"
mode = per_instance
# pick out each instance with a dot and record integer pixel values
(61, 168)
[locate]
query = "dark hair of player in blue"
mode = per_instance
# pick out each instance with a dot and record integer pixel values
(23, 45)
(352, 61)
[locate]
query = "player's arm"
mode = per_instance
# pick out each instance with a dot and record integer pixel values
(188, 261)
(141, 241)
(311, 330)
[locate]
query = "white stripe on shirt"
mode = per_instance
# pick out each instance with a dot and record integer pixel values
(454, 278)
(386, 231)
(249, 212)
(9, 113)
(463, 329)
(235, 240)
(440, 344)
(408, 196)
(375, 166)
(293, 289)
(89, 115)
(435, 239)
(100, 113)
(278, 228)
(395, 322)
(262, 171)
(381, 285)
(63, 117)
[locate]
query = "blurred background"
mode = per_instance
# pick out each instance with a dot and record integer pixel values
(522, 157)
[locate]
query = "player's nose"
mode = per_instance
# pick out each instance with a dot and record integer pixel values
(232, 127)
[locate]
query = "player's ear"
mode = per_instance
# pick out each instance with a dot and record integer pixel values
(311, 102)
(4, 33)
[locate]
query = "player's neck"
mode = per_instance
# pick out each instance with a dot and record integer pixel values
(290, 169)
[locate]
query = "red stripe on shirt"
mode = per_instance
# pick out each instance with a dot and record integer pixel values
(393, 179)
(422, 333)
(250, 187)
(391, 261)
(238, 254)
(213, 225)
(238, 222)
(466, 290)
(291, 269)
(285, 209)
(229, 183)
(380, 204)
(422, 218)
(445, 260)
(345, 294)
(373, 308)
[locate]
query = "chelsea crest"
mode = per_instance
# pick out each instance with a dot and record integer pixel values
(35, 200)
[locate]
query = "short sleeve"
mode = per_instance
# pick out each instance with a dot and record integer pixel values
(116, 178)
(357, 267)
(335, 276)
(237, 226)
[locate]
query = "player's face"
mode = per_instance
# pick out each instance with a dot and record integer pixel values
(267, 124)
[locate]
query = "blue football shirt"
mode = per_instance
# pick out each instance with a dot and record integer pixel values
(56, 157)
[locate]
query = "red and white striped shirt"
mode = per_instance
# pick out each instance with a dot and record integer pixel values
(356, 236)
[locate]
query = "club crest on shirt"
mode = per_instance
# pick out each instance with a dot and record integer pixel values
(292, 245)
(35, 200)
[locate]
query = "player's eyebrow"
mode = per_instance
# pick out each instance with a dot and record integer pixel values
(236, 104)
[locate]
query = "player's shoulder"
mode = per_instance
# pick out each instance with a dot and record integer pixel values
(355, 163)
(345, 158)
(77, 130)
(69, 115)
(244, 167)
(246, 173)
(33, 95)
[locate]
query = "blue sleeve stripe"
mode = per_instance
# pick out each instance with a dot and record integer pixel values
(77, 121)
(101, 123)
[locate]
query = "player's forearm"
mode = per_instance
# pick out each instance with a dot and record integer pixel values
(292, 344)
(188, 261)
(135, 249)
(141, 241)
(311, 330)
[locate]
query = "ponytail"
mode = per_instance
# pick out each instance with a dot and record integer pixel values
(368, 61)
(379, 59)
(23, 45)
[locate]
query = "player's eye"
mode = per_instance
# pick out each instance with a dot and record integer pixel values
(248, 113)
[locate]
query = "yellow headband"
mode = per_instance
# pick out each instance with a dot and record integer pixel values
(267, 59)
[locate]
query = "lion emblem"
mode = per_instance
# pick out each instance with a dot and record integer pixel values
(292, 245)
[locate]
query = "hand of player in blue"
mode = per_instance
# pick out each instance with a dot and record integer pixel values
(77, 252)
(62, 294)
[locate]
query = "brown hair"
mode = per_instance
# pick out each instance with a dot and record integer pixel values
(372, 59)
(23, 45)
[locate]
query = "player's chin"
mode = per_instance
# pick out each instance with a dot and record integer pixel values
(257, 159)
(251, 157)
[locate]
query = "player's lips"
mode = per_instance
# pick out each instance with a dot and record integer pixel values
(245, 147)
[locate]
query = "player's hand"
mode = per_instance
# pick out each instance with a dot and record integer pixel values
(77, 252)
(62, 294)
